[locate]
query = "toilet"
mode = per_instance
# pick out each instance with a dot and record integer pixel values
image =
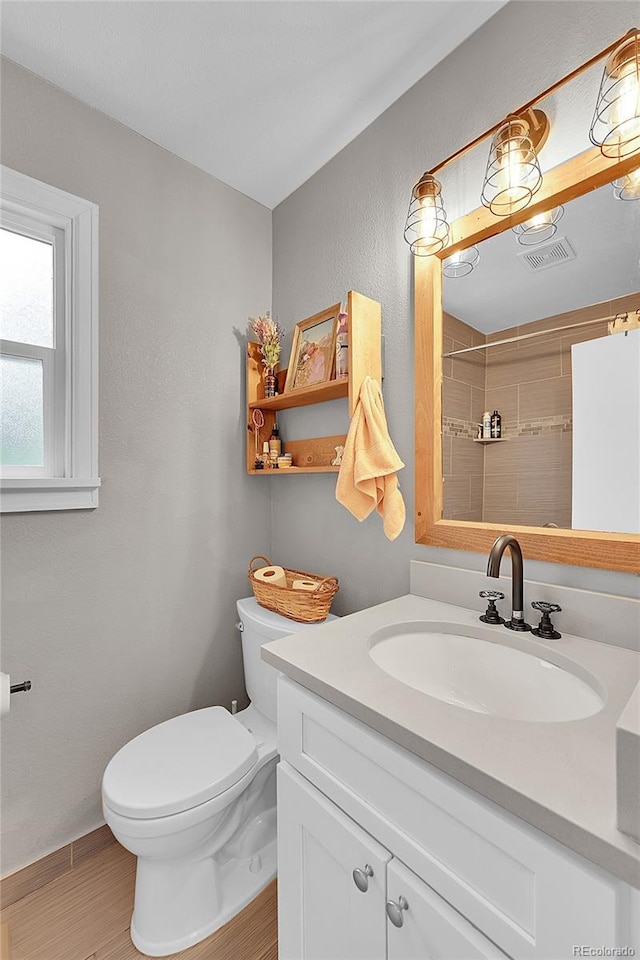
(194, 798)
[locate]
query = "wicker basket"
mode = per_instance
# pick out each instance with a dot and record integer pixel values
(305, 606)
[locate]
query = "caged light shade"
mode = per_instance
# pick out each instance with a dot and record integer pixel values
(513, 172)
(539, 228)
(615, 127)
(426, 230)
(627, 187)
(462, 263)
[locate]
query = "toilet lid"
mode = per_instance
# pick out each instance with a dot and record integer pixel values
(179, 764)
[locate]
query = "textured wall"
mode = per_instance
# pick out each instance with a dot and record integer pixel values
(124, 616)
(343, 229)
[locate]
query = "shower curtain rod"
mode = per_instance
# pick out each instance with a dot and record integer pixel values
(538, 333)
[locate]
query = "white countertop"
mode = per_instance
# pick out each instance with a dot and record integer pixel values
(559, 777)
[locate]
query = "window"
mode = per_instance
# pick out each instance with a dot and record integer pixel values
(48, 347)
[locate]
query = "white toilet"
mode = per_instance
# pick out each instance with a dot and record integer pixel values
(195, 799)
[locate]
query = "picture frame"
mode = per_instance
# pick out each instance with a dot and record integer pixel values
(313, 350)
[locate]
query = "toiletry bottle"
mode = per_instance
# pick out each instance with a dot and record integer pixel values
(265, 455)
(275, 444)
(486, 425)
(342, 347)
(496, 425)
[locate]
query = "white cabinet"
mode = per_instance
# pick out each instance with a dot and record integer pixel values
(430, 928)
(322, 912)
(343, 897)
(478, 882)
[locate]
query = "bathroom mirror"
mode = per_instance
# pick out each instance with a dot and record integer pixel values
(514, 334)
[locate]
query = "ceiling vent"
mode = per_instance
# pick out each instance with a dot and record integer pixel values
(547, 255)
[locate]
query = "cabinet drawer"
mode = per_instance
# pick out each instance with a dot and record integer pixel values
(528, 894)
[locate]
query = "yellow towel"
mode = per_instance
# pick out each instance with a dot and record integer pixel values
(367, 477)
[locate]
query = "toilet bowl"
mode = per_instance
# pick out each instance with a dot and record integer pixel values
(194, 798)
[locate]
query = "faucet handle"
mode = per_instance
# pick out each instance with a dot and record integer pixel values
(545, 629)
(491, 595)
(543, 607)
(491, 614)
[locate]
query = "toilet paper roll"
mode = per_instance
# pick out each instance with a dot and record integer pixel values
(274, 575)
(305, 584)
(5, 694)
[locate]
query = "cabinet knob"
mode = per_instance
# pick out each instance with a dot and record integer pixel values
(395, 911)
(361, 877)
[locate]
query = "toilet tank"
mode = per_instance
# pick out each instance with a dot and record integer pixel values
(259, 626)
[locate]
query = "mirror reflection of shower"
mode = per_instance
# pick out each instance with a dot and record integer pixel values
(529, 319)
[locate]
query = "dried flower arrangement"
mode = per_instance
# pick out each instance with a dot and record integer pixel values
(269, 335)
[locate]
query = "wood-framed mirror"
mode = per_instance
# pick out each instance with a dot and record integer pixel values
(469, 492)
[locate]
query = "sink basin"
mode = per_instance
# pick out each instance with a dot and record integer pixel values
(466, 666)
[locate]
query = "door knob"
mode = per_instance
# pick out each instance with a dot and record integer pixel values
(361, 877)
(395, 911)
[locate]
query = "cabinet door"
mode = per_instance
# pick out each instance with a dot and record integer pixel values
(431, 929)
(322, 914)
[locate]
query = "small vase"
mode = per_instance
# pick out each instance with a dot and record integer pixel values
(270, 383)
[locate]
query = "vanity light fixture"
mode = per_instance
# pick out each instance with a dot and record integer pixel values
(539, 228)
(461, 263)
(426, 230)
(513, 174)
(615, 127)
(628, 187)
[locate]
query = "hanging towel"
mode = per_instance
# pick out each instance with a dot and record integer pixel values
(367, 477)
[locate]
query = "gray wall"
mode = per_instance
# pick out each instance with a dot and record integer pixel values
(343, 229)
(124, 616)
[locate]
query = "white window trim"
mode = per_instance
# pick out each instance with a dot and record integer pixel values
(77, 487)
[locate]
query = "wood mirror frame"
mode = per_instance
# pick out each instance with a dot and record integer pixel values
(587, 548)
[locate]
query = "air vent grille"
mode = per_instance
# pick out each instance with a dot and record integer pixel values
(547, 255)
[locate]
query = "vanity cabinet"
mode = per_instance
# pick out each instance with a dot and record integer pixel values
(478, 881)
(347, 898)
(314, 455)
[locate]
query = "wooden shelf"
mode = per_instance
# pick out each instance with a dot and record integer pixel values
(305, 396)
(294, 470)
(314, 455)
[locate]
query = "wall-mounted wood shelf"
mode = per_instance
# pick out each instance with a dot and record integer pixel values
(295, 471)
(315, 454)
(320, 392)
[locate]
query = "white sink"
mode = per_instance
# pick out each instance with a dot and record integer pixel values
(474, 668)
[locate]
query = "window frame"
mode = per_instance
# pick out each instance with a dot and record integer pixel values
(69, 477)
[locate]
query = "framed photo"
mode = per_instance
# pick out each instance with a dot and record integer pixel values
(313, 351)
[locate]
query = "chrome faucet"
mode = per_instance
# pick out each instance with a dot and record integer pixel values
(517, 621)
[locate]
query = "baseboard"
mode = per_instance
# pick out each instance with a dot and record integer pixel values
(23, 882)
(5, 942)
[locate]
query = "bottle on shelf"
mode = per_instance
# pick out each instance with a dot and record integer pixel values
(266, 458)
(496, 426)
(486, 425)
(275, 444)
(342, 347)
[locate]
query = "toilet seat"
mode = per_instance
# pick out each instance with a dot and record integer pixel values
(179, 764)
